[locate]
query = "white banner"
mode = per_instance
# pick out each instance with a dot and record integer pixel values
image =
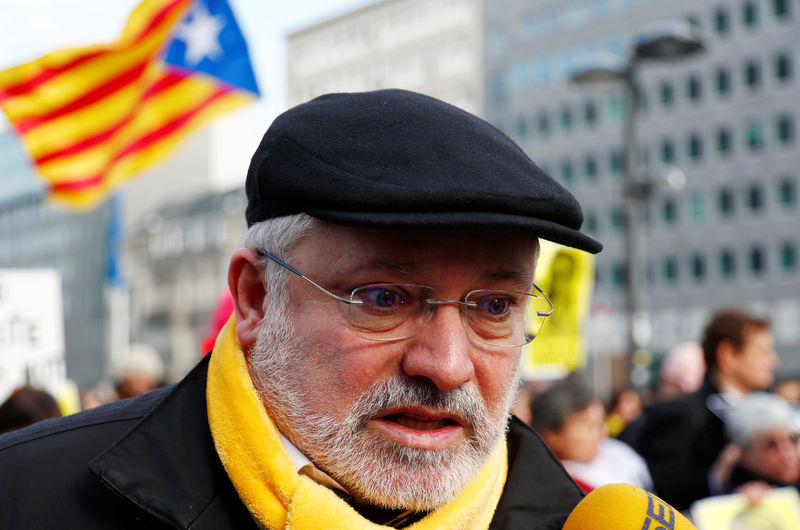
(31, 330)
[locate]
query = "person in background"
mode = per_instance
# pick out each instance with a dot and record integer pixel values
(626, 406)
(763, 429)
(572, 423)
(681, 439)
(681, 372)
(26, 406)
(788, 389)
(140, 372)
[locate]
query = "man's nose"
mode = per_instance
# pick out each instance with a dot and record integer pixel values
(441, 351)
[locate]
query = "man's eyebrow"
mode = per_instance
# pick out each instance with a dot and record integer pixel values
(406, 269)
(512, 275)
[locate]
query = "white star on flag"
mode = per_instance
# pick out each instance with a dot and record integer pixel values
(201, 35)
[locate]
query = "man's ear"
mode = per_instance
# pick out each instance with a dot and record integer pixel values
(726, 353)
(248, 287)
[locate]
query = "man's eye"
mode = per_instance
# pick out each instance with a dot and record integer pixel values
(382, 297)
(495, 306)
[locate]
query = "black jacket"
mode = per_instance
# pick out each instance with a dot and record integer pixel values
(679, 439)
(150, 462)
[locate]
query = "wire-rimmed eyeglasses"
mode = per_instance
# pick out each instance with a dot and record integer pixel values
(396, 311)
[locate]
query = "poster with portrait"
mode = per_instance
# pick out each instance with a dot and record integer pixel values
(566, 275)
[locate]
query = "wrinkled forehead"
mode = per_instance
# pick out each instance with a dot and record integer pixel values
(343, 246)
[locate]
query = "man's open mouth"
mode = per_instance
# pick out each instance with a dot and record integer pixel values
(419, 423)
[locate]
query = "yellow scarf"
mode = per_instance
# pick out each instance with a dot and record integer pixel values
(249, 446)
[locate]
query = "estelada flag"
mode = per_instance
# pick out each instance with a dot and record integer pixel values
(91, 117)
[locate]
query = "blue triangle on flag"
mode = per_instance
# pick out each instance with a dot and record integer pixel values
(209, 40)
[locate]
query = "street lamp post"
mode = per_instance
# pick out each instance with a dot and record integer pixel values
(662, 41)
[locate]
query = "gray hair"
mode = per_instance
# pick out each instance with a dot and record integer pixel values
(278, 235)
(758, 412)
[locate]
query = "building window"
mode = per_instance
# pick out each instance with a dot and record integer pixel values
(667, 151)
(754, 136)
(722, 21)
(722, 80)
(750, 14)
(666, 94)
(617, 219)
(784, 129)
(669, 211)
(566, 118)
(522, 127)
(725, 201)
(543, 122)
(757, 261)
(590, 113)
(615, 107)
(787, 256)
(615, 162)
(669, 269)
(781, 9)
(697, 207)
(591, 222)
(697, 265)
(619, 275)
(787, 192)
(727, 263)
(752, 75)
(755, 198)
(566, 171)
(724, 141)
(783, 67)
(693, 88)
(590, 167)
(694, 147)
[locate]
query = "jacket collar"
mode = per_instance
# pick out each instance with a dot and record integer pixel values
(167, 465)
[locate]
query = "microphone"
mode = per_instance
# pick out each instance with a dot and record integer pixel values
(625, 507)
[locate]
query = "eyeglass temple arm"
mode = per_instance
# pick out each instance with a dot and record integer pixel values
(552, 307)
(288, 267)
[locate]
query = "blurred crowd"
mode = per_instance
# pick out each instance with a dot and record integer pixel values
(141, 371)
(716, 423)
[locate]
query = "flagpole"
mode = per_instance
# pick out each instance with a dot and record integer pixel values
(116, 290)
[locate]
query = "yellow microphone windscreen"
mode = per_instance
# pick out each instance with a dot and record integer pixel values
(625, 507)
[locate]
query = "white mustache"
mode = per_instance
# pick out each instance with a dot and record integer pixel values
(463, 402)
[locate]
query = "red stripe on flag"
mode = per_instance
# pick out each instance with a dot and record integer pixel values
(50, 72)
(163, 83)
(141, 143)
(87, 98)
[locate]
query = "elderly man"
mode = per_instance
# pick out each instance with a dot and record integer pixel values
(382, 298)
(683, 438)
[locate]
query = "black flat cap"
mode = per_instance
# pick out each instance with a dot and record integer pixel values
(398, 159)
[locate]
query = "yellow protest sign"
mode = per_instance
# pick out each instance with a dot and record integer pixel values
(566, 275)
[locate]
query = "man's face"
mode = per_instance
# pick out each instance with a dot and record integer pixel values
(774, 456)
(755, 361)
(403, 423)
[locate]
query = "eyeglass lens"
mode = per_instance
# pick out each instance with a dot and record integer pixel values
(494, 317)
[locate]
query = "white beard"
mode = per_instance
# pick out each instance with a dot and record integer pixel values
(374, 470)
